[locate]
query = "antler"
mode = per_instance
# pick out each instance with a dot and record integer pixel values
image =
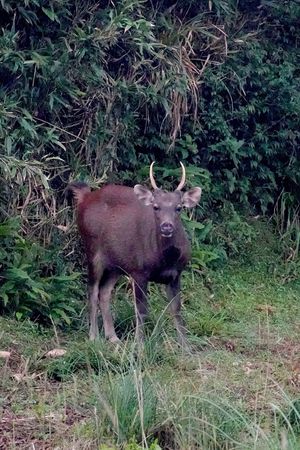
(182, 181)
(153, 184)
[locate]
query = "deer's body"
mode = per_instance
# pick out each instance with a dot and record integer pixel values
(136, 232)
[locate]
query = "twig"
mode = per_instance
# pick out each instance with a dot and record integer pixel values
(60, 129)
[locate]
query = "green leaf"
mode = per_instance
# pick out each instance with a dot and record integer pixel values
(51, 14)
(4, 297)
(8, 144)
(61, 313)
(17, 273)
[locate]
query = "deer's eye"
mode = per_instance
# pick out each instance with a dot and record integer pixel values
(178, 208)
(156, 207)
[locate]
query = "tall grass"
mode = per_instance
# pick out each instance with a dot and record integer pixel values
(144, 404)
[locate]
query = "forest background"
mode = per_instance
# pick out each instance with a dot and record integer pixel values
(97, 90)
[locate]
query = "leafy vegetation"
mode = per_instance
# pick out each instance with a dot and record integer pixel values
(238, 387)
(99, 90)
(96, 90)
(31, 283)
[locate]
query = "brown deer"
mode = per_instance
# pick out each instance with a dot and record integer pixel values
(137, 232)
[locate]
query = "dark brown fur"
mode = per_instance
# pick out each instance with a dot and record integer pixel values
(123, 235)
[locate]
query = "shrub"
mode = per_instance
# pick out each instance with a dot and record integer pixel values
(34, 283)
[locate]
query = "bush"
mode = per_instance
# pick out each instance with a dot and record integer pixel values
(34, 283)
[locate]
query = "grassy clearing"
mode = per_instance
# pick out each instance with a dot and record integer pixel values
(238, 387)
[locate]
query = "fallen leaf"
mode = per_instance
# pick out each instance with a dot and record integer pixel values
(23, 376)
(230, 346)
(56, 353)
(63, 228)
(19, 376)
(268, 309)
(249, 367)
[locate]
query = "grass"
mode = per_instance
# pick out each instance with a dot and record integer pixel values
(238, 387)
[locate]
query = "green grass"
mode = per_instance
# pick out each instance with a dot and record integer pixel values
(237, 388)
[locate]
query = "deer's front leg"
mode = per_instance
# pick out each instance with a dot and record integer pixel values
(141, 305)
(173, 294)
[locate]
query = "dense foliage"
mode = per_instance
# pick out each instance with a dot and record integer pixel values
(99, 89)
(30, 285)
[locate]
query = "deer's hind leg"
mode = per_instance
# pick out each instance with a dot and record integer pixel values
(95, 273)
(107, 284)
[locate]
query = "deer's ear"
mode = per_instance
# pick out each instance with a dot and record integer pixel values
(143, 194)
(192, 197)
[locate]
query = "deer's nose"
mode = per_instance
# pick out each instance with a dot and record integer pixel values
(166, 229)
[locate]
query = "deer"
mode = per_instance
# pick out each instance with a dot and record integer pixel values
(137, 232)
